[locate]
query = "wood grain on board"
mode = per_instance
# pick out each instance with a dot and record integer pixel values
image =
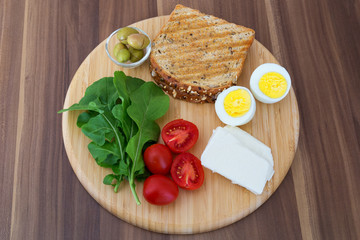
(219, 202)
(43, 43)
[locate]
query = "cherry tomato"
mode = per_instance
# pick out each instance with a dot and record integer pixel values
(158, 159)
(160, 190)
(187, 171)
(180, 135)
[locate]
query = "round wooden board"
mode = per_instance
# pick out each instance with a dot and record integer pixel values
(218, 202)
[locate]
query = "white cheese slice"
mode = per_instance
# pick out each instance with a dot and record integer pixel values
(254, 145)
(225, 155)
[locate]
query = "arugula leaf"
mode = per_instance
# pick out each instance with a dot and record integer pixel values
(100, 128)
(108, 179)
(106, 155)
(148, 103)
(120, 85)
(98, 96)
(120, 120)
(125, 85)
(142, 175)
(122, 168)
(126, 124)
(85, 117)
(132, 84)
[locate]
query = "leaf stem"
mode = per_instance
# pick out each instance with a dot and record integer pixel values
(138, 149)
(132, 187)
(116, 135)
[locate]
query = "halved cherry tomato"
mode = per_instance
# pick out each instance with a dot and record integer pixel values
(187, 171)
(158, 159)
(180, 135)
(160, 190)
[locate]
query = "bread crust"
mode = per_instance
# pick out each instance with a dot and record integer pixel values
(186, 91)
(183, 91)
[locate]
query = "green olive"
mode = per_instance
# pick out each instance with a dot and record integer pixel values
(123, 55)
(135, 55)
(123, 33)
(117, 48)
(138, 41)
(124, 42)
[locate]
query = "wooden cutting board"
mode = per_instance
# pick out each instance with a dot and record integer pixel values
(218, 202)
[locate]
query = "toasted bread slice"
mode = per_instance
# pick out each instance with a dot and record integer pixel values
(196, 56)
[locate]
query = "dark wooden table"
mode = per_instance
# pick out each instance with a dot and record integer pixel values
(43, 42)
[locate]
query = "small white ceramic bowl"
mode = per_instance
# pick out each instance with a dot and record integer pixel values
(112, 40)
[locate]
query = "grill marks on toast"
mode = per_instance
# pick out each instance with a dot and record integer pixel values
(204, 75)
(187, 40)
(233, 52)
(198, 50)
(178, 25)
(225, 30)
(189, 65)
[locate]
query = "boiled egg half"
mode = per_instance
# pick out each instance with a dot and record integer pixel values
(235, 106)
(270, 83)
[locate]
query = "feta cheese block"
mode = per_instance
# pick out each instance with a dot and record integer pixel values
(228, 156)
(254, 145)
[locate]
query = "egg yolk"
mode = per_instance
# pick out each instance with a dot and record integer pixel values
(273, 84)
(237, 103)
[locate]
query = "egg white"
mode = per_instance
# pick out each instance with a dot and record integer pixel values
(225, 117)
(259, 72)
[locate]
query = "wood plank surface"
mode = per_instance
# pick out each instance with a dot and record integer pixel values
(42, 43)
(276, 125)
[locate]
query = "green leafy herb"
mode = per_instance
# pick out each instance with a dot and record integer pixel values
(120, 120)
